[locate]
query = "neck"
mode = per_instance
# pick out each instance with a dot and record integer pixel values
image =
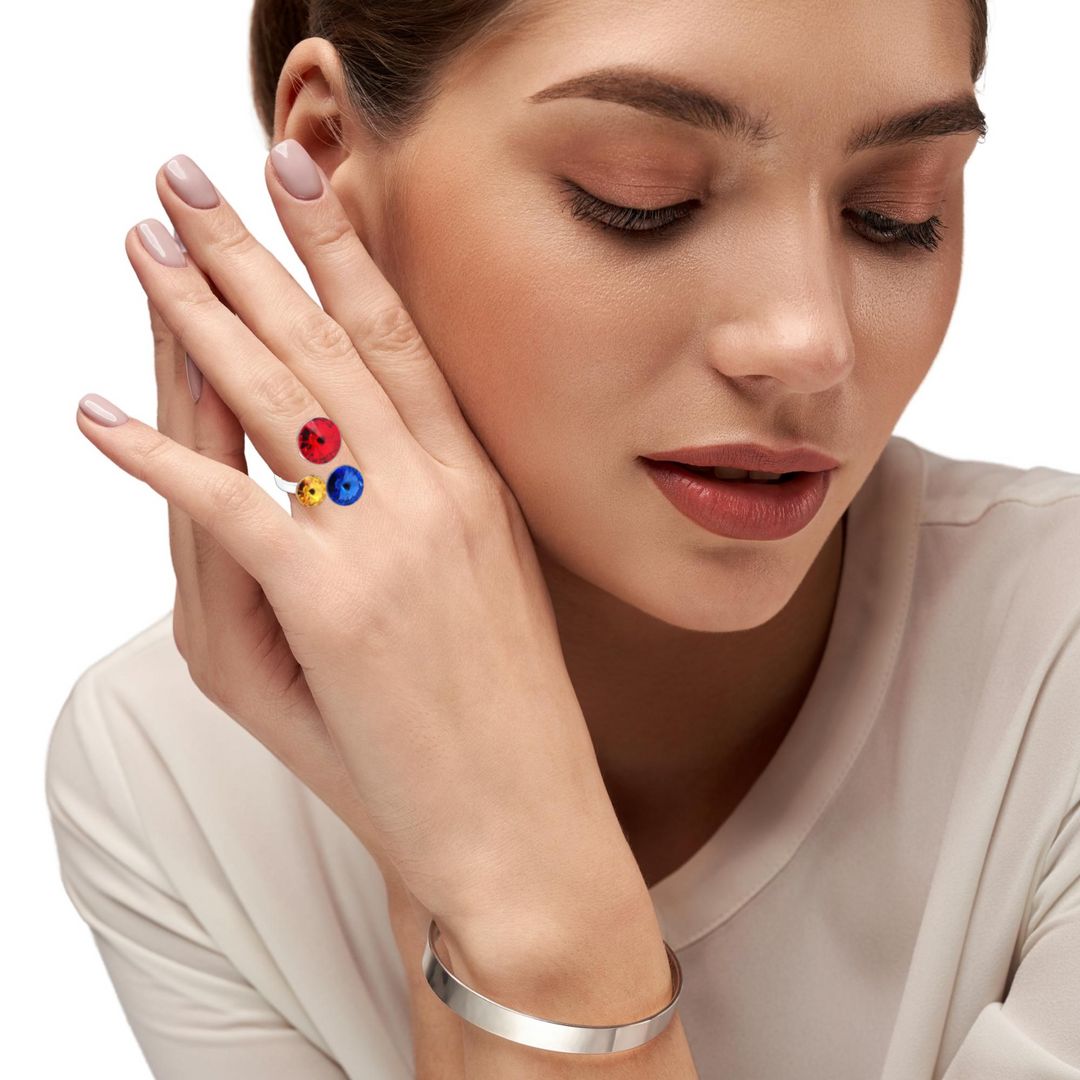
(684, 721)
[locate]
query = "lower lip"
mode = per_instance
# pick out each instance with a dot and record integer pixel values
(742, 509)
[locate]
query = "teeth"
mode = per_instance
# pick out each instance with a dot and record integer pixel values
(722, 472)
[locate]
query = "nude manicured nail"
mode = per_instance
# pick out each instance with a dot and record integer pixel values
(102, 410)
(296, 170)
(191, 183)
(194, 377)
(159, 242)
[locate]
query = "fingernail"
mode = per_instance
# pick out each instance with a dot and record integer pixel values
(179, 243)
(156, 239)
(102, 410)
(194, 377)
(191, 183)
(296, 170)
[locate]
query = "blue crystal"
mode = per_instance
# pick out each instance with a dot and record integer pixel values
(345, 485)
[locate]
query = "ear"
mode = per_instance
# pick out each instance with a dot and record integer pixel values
(312, 105)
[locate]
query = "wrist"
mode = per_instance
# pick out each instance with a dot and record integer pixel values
(585, 963)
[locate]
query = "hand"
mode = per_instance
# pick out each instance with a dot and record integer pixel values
(406, 643)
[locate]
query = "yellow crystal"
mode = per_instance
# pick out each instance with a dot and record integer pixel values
(311, 490)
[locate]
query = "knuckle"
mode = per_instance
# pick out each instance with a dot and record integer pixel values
(195, 298)
(216, 689)
(391, 330)
(330, 235)
(282, 393)
(212, 445)
(320, 336)
(487, 512)
(230, 492)
(232, 240)
(156, 449)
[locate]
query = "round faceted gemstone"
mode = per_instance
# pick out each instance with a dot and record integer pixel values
(311, 490)
(319, 440)
(345, 485)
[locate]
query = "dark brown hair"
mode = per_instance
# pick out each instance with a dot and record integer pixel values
(393, 51)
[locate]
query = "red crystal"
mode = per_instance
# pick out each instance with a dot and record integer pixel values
(319, 440)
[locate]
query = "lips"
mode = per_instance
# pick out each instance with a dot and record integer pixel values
(740, 509)
(755, 476)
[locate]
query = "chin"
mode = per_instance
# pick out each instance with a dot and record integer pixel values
(711, 592)
(723, 607)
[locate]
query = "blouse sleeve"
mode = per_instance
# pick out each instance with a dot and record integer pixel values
(191, 1011)
(1034, 1034)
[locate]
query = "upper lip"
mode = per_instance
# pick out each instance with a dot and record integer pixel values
(754, 457)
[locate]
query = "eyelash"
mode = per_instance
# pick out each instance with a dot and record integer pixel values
(635, 223)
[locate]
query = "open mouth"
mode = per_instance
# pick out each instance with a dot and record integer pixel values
(720, 472)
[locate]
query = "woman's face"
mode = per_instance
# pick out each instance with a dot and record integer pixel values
(768, 315)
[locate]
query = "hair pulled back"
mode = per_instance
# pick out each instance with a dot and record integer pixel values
(393, 51)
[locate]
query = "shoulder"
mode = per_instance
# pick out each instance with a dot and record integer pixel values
(962, 492)
(144, 767)
(146, 665)
(1004, 531)
(136, 738)
(106, 700)
(996, 606)
(215, 880)
(122, 705)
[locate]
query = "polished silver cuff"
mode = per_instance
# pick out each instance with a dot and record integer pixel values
(531, 1030)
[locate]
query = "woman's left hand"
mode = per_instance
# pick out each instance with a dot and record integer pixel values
(417, 617)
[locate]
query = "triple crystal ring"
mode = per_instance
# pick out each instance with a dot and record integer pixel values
(319, 440)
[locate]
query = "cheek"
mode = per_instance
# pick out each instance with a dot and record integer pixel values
(899, 318)
(519, 320)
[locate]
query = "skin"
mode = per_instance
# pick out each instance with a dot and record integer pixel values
(572, 351)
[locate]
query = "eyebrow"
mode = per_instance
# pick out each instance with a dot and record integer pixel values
(641, 88)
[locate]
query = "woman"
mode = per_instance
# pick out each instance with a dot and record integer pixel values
(816, 733)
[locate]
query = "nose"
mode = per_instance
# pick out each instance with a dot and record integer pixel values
(784, 314)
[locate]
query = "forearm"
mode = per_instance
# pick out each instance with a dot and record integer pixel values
(592, 964)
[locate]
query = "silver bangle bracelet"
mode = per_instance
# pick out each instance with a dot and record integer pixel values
(531, 1030)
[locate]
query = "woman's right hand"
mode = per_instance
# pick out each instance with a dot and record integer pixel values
(253, 673)
(223, 625)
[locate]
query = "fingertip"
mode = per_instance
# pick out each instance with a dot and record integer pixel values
(296, 170)
(102, 411)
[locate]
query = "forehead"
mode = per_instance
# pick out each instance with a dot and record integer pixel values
(805, 64)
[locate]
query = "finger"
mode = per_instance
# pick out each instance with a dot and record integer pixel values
(247, 521)
(207, 577)
(363, 336)
(216, 591)
(221, 619)
(268, 400)
(356, 295)
(284, 317)
(169, 362)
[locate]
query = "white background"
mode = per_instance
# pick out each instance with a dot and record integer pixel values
(98, 97)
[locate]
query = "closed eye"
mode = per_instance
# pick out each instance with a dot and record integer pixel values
(638, 224)
(626, 219)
